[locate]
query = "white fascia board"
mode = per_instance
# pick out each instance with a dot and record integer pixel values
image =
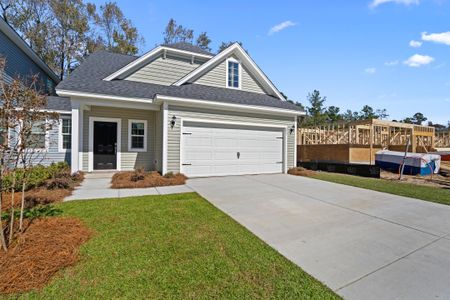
(245, 58)
(19, 42)
(148, 56)
(66, 93)
(227, 106)
(110, 100)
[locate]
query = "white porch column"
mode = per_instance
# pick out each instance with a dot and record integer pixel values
(77, 119)
(165, 136)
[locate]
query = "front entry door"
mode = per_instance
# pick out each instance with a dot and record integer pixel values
(105, 145)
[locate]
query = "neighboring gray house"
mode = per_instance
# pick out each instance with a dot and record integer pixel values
(179, 108)
(22, 62)
(176, 108)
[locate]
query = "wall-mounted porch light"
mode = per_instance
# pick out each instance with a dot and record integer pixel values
(291, 130)
(173, 121)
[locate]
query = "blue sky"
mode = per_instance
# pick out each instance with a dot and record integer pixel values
(392, 54)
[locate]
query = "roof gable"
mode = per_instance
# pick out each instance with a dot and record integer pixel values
(247, 62)
(152, 55)
(217, 76)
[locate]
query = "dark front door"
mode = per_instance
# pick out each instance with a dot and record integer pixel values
(105, 145)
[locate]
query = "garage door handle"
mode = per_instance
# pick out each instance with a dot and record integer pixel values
(187, 164)
(238, 155)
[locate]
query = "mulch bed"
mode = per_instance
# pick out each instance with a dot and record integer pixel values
(47, 246)
(125, 180)
(299, 171)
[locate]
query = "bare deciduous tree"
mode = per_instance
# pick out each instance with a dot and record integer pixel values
(24, 121)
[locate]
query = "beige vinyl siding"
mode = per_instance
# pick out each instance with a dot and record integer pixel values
(129, 160)
(218, 77)
(164, 71)
(174, 134)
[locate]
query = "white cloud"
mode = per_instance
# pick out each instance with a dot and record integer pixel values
(418, 60)
(415, 44)
(376, 3)
(370, 71)
(391, 63)
(442, 38)
(281, 26)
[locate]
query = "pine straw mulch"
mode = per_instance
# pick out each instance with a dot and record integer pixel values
(299, 171)
(125, 180)
(47, 246)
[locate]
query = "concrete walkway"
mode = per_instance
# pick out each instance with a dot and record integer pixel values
(363, 244)
(97, 185)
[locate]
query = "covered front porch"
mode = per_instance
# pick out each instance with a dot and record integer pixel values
(110, 135)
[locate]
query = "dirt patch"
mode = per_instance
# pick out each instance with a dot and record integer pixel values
(47, 246)
(434, 181)
(139, 179)
(299, 171)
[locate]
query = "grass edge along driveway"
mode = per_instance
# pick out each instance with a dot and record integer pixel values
(427, 193)
(177, 246)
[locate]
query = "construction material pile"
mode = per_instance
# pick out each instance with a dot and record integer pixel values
(414, 163)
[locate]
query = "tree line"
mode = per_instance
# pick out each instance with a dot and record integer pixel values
(319, 114)
(64, 32)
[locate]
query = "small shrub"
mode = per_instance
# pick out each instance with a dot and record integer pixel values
(37, 176)
(39, 211)
(58, 183)
(138, 175)
(78, 177)
(169, 175)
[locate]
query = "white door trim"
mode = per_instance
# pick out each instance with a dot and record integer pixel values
(91, 141)
(283, 128)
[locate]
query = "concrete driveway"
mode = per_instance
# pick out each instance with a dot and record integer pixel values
(362, 244)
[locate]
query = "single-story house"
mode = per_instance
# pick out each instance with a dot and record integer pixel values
(178, 108)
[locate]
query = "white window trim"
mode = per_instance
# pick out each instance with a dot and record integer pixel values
(231, 59)
(60, 134)
(130, 149)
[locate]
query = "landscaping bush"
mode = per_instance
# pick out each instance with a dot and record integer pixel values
(58, 183)
(138, 174)
(39, 211)
(37, 176)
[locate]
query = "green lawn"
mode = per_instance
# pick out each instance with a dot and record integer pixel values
(174, 247)
(433, 194)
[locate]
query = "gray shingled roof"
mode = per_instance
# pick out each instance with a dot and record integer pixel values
(59, 103)
(88, 77)
(188, 47)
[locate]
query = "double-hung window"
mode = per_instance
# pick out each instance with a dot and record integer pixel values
(66, 134)
(137, 135)
(233, 80)
(38, 136)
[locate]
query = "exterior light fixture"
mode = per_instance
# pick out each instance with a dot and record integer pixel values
(172, 123)
(291, 130)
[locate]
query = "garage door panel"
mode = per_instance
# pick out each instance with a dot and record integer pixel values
(214, 151)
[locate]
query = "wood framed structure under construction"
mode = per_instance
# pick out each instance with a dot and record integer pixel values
(358, 141)
(442, 140)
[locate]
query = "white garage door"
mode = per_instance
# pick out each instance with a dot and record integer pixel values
(218, 150)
